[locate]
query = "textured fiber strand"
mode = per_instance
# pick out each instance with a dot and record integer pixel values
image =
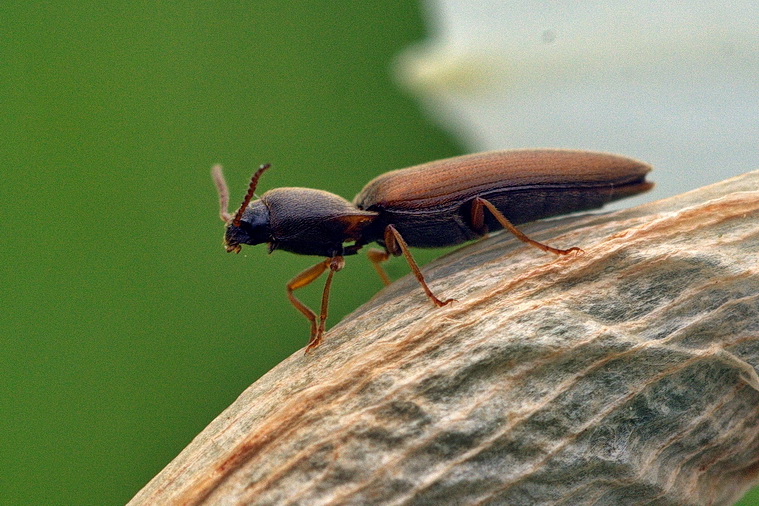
(627, 374)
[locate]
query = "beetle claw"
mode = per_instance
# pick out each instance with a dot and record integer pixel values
(441, 303)
(313, 343)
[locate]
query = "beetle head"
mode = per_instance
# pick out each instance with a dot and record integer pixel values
(250, 224)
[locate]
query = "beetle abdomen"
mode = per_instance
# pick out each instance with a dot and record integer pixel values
(430, 204)
(431, 228)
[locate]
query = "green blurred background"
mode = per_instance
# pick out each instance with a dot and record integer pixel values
(126, 328)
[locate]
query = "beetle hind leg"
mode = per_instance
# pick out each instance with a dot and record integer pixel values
(478, 220)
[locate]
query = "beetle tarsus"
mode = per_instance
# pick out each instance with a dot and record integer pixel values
(313, 343)
(441, 303)
(573, 249)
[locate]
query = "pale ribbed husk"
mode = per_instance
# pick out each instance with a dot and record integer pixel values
(620, 376)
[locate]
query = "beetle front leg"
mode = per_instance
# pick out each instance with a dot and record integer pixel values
(478, 222)
(305, 278)
(395, 244)
(335, 264)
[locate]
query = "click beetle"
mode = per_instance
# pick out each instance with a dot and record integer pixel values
(440, 203)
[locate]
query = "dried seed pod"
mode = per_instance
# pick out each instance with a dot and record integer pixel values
(625, 375)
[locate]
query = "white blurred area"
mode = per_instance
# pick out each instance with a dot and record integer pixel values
(675, 84)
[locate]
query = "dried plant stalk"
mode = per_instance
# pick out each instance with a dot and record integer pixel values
(624, 375)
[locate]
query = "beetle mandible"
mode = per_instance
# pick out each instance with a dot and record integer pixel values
(440, 203)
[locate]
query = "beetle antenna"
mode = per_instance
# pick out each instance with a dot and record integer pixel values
(221, 186)
(249, 195)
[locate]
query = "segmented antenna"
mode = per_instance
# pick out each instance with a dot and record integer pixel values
(249, 195)
(221, 186)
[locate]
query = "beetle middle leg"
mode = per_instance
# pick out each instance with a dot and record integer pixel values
(394, 244)
(478, 223)
(305, 278)
(376, 257)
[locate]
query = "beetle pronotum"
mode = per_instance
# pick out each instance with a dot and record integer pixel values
(439, 203)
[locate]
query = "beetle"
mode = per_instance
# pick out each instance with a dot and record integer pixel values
(440, 203)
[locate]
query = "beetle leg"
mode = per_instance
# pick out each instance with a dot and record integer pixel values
(395, 244)
(335, 264)
(477, 211)
(376, 257)
(301, 280)
(478, 217)
(305, 278)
